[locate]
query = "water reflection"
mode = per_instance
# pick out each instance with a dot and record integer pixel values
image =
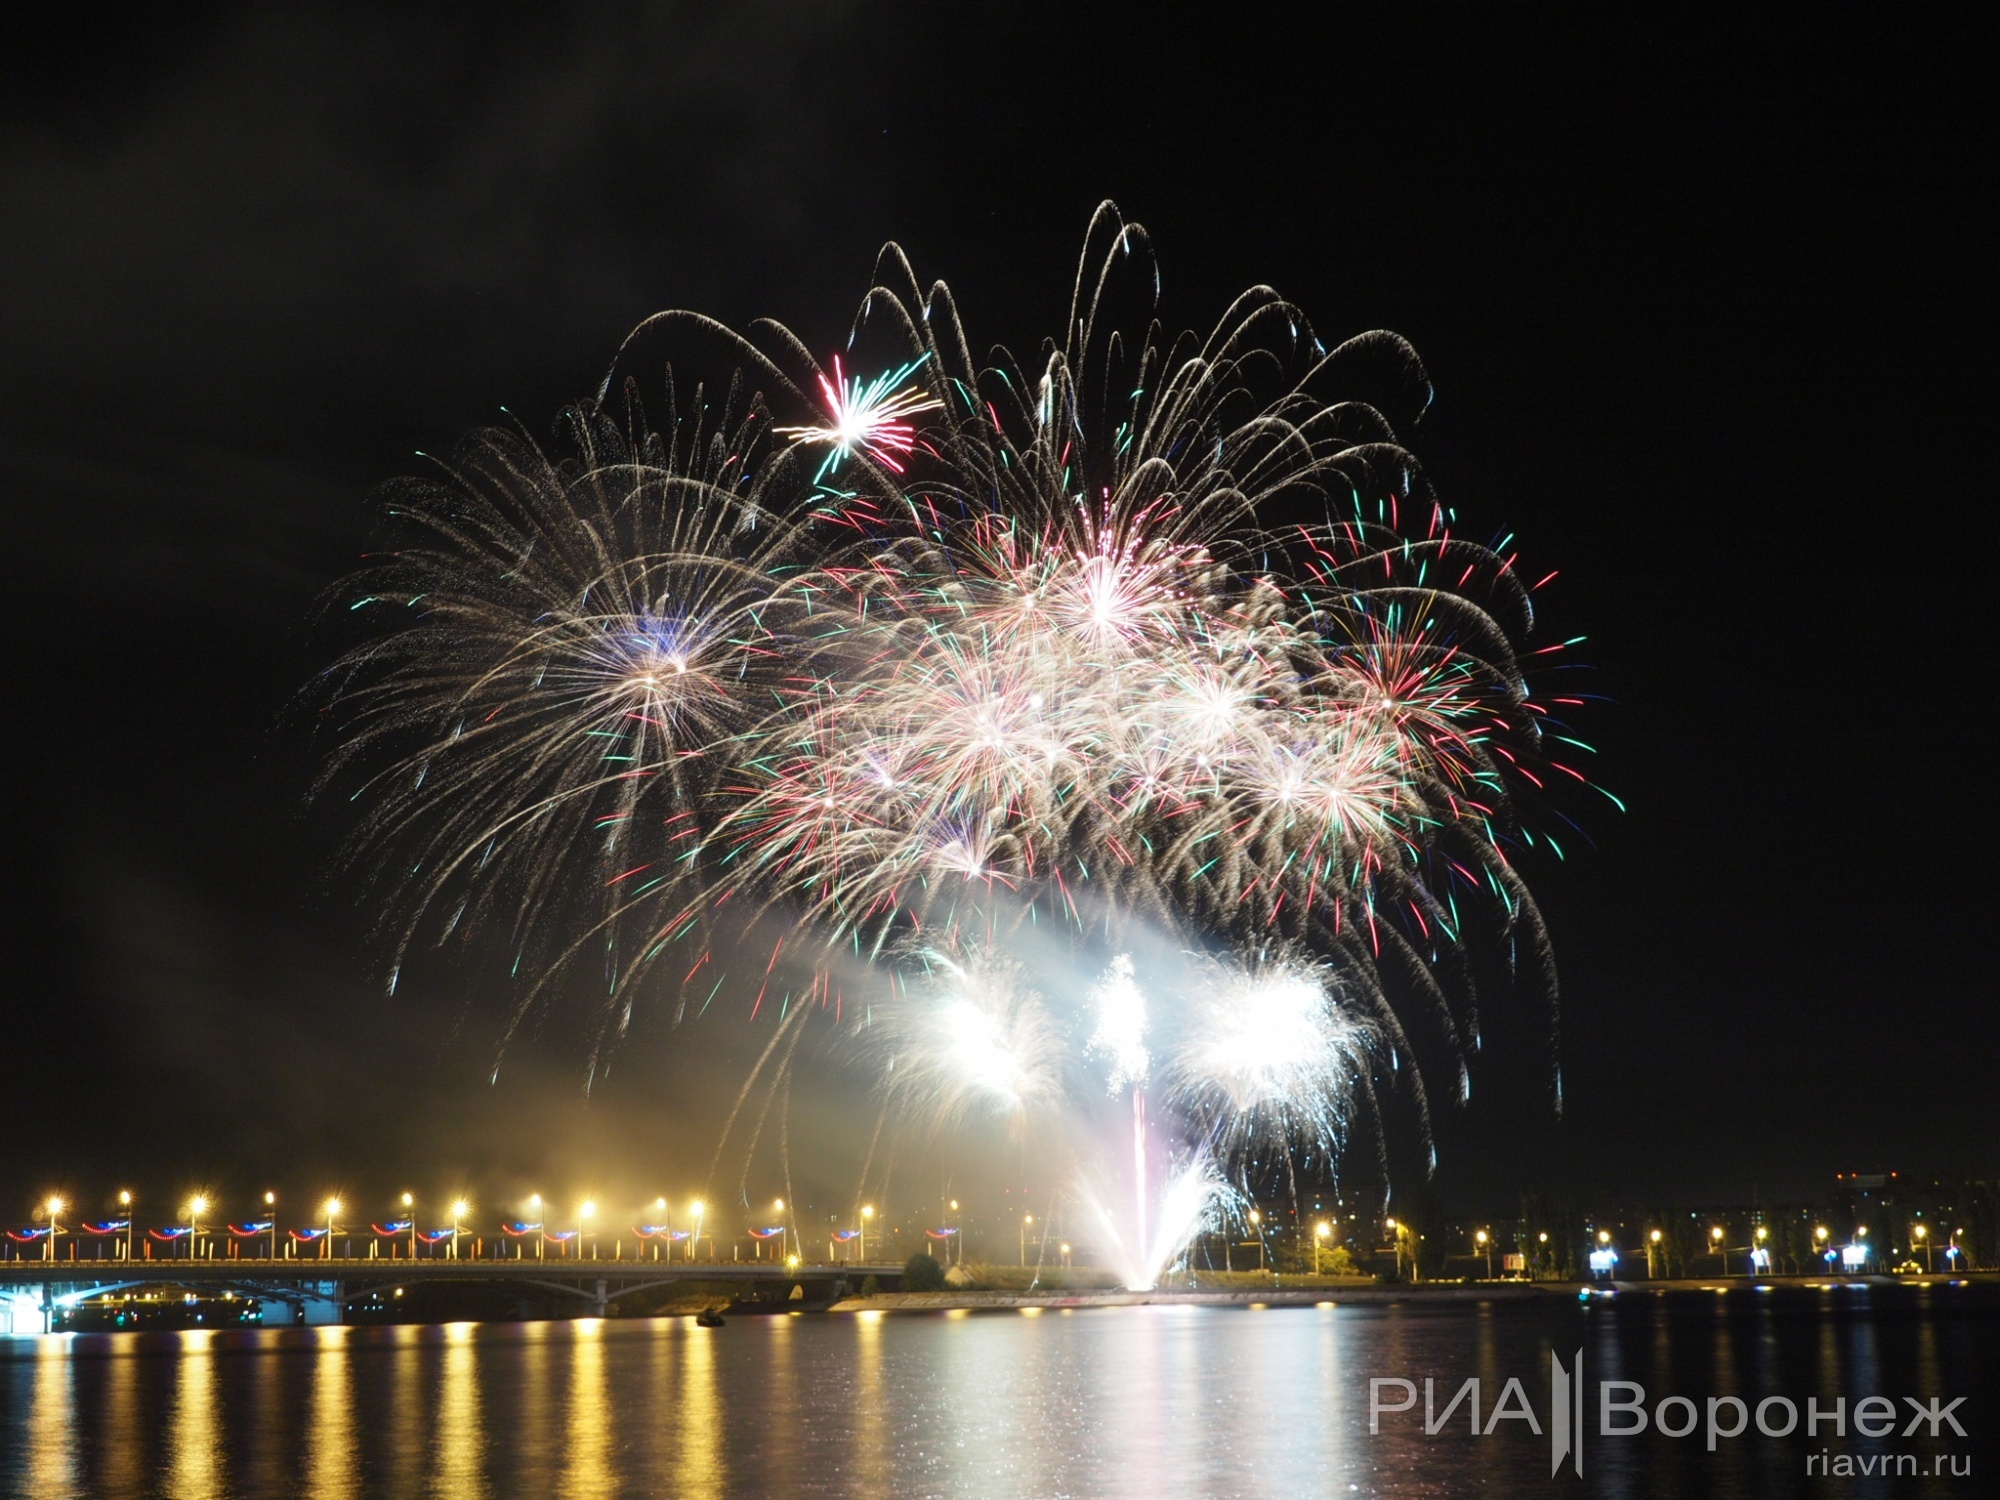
(332, 1470)
(460, 1451)
(119, 1449)
(408, 1407)
(534, 1444)
(703, 1469)
(587, 1467)
(51, 1457)
(195, 1459)
(1145, 1401)
(871, 1447)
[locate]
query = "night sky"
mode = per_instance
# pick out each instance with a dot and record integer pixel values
(1710, 309)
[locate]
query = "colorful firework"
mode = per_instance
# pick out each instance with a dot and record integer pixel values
(871, 417)
(1160, 634)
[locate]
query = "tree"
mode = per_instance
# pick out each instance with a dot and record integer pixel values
(922, 1274)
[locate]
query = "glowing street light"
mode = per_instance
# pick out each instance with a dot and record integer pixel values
(541, 1225)
(1923, 1235)
(584, 1215)
(1485, 1243)
(1257, 1228)
(694, 1239)
(1760, 1250)
(410, 1213)
(1026, 1220)
(1323, 1229)
(54, 1207)
(125, 1203)
(1065, 1254)
(459, 1209)
(332, 1210)
(1402, 1232)
(271, 1219)
(197, 1206)
(867, 1213)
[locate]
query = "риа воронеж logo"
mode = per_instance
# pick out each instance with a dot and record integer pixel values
(1625, 1411)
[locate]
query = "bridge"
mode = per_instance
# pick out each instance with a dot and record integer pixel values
(319, 1291)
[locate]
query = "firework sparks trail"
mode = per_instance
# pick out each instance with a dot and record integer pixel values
(871, 417)
(1161, 633)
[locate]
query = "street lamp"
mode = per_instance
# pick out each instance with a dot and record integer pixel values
(197, 1206)
(778, 1207)
(54, 1207)
(459, 1208)
(125, 1202)
(957, 1255)
(583, 1217)
(1065, 1254)
(1026, 1220)
(867, 1213)
(1715, 1243)
(541, 1226)
(332, 1207)
(410, 1208)
(1320, 1231)
(1653, 1252)
(694, 1240)
(271, 1218)
(1485, 1243)
(1923, 1234)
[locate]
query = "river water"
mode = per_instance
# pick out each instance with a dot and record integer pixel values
(1144, 1401)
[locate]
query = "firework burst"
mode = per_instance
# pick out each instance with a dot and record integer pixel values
(871, 417)
(1159, 632)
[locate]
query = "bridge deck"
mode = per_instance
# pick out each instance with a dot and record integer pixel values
(195, 1273)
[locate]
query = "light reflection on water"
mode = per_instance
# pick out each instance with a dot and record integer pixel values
(331, 1470)
(51, 1437)
(704, 1470)
(194, 1447)
(587, 1467)
(459, 1452)
(1160, 1401)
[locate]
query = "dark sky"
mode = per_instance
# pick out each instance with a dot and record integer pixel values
(1709, 303)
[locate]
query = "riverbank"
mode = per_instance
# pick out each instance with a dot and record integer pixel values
(1366, 1291)
(1299, 1293)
